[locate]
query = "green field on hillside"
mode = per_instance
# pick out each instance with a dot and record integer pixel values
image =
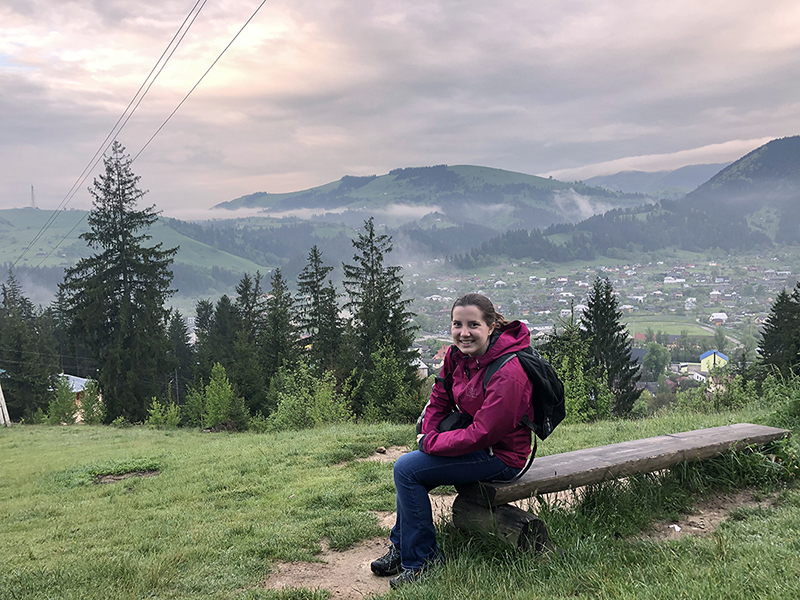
(18, 227)
(673, 326)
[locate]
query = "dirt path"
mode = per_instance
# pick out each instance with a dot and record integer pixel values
(348, 577)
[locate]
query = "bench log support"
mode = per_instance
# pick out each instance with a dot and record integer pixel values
(516, 527)
(483, 506)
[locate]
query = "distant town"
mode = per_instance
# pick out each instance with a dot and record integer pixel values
(698, 296)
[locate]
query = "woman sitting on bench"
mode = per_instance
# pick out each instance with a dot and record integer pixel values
(489, 445)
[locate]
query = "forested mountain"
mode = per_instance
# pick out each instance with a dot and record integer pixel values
(762, 186)
(461, 194)
(752, 203)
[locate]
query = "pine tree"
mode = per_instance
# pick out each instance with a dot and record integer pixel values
(203, 351)
(181, 356)
(246, 370)
(780, 338)
(379, 314)
(74, 356)
(282, 340)
(115, 298)
(28, 355)
(609, 348)
(318, 313)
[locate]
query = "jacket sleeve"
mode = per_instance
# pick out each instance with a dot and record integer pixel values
(440, 405)
(506, 401)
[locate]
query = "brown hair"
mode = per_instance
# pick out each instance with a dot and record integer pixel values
(489, 314)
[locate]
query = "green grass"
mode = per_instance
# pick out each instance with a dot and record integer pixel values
(18, 227)
(673, 326)
(224, 508)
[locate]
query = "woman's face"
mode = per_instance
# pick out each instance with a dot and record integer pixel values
(470, 332)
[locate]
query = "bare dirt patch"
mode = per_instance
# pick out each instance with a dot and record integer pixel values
(386, 455)
(345, 574)
(707, 517)
(115, 478)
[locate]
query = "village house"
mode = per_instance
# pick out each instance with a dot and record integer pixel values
(712, 359)
(718, 318)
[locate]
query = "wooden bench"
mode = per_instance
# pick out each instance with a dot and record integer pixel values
(484, 506)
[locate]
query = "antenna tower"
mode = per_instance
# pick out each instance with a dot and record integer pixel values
(33, 198)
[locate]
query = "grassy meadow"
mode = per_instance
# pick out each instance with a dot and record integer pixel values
(219, 510)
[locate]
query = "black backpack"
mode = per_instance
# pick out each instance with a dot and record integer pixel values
(547, 396)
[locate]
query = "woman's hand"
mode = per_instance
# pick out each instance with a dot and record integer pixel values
(419, 437)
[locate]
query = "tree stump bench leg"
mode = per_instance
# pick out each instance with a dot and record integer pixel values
(514, 526)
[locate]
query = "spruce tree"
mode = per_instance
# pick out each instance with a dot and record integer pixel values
(181, 355)
(282, 340)
(115, 298)
(216, 327)
(246, 370)
(28, 355)
(585, 396)
(780, 338)
(380, 319)
(318, 312)
(609, 348)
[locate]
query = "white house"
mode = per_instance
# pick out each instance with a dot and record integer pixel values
(718, 318)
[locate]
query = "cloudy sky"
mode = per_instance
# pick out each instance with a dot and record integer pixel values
(316, 89)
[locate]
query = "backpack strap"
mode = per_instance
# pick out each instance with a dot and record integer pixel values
(493, 368)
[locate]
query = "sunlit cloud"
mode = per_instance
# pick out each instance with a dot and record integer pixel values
(314, 91)
(713, 153)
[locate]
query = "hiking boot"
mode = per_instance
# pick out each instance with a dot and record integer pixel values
(414, 576)
(388, 564)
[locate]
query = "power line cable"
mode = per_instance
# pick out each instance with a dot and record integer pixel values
(117, 128)
(199, 80)
(165, 121)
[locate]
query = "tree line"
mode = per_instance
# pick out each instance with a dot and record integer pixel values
(670, 223)
(109, 322)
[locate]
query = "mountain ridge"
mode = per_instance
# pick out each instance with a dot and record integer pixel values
(500, 198)
(660, 184)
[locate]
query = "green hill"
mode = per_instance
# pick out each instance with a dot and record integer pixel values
(460, 194)
(200, 269)
(19, 226)
(762, 187)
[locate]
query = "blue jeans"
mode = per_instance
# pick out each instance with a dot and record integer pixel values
(415, 474)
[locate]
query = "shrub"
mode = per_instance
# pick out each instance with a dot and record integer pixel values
(163, 416)
(63, 407)
(387, 395)
(259, 423)
(121, 422)
(784, 396)
(222, 406)
(305, 402)
(194, 408)
(93, 411)
(721, 392)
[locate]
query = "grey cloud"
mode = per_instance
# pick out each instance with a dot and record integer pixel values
(524, 86)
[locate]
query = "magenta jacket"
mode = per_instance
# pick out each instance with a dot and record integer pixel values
(496, 415)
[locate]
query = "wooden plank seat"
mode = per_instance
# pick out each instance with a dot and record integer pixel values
(483, 506)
